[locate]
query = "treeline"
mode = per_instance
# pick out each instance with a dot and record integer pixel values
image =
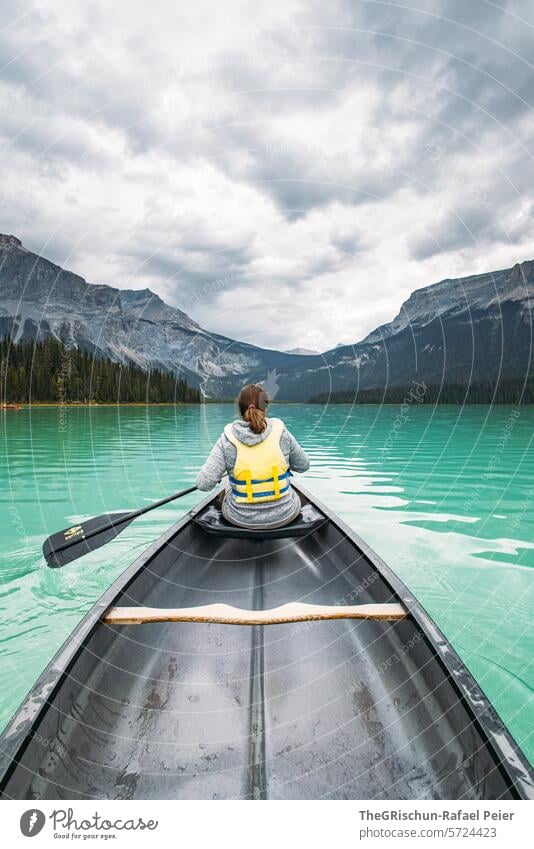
(506, 391)
(48, 371)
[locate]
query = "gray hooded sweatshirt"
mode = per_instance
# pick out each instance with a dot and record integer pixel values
(221, 461)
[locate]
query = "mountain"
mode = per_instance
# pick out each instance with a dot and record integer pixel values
(39, 299)
(463, 330)
(460, 330)
(307, 352)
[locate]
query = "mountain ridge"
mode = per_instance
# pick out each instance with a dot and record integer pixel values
(39, 298)
(450, 285)
(458, 329)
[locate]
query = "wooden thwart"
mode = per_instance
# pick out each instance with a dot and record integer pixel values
(224, 614)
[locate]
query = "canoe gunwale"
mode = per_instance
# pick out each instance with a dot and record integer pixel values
(19, 731)
(506, 753)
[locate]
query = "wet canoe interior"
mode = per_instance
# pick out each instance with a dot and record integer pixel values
(336, 709)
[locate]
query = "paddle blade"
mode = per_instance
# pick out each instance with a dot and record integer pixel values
(65, 546)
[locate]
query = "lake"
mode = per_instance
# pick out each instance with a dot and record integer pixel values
(445, 495)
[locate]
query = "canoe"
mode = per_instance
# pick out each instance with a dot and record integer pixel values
(288, 664)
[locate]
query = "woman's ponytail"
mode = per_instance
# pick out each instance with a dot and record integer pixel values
(256, 418)
(252, 402)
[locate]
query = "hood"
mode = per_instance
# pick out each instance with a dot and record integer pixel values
(246, 435)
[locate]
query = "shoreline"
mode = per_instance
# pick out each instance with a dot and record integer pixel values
(25, 405)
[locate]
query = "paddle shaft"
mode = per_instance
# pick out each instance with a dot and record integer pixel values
(129, 517)
(160, 503)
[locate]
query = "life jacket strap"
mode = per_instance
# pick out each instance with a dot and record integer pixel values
(248, 486)
(259, 494)
(276, 480)
(237, 482)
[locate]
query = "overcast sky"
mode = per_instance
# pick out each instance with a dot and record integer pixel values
(285, 172)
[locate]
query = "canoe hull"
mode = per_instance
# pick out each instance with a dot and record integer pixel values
(328, 709)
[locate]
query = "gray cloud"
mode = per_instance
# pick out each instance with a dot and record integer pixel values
(358, 150)
(471, 227)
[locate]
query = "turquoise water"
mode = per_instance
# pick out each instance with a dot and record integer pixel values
(445, 496)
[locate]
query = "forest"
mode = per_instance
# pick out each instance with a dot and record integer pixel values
(505, 391)
(48, 371)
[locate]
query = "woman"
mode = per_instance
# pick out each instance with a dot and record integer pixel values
(257, 453)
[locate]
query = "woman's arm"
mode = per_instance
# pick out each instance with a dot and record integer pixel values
(298, 459)
(213, 469)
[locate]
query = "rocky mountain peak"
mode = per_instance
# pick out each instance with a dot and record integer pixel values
(476, 292)
(7, 241)
(523, 272)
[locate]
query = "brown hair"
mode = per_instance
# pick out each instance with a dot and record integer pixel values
(252, 402)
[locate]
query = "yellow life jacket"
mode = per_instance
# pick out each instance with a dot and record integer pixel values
(260, 472)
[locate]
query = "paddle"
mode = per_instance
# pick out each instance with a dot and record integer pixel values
(67, 545)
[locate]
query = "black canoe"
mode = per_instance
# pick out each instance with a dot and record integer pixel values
(342, 709)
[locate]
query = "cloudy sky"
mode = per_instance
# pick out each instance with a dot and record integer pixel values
(285, 172)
